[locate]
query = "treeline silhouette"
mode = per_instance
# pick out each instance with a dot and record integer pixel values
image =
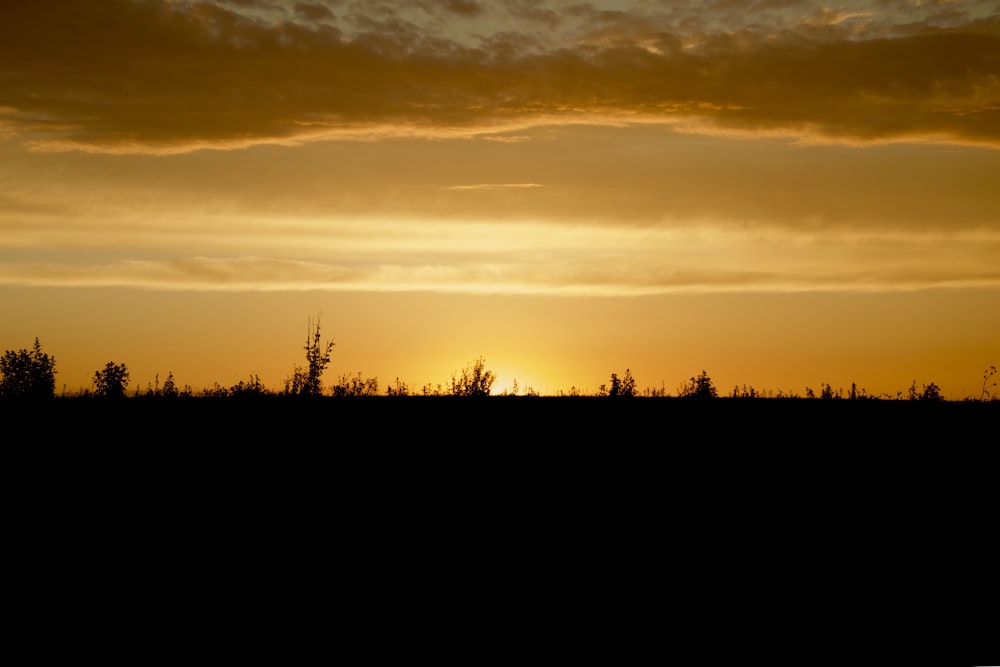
(30, 374)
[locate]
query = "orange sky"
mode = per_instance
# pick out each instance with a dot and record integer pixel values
(783, 193)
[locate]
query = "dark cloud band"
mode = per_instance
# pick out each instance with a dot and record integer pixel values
(158, 74)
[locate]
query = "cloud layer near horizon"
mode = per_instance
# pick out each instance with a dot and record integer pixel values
(539, 259)
(173, 75)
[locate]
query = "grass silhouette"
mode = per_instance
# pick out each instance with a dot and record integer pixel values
(250, 411)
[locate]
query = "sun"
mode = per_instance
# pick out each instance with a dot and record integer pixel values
(514, 384)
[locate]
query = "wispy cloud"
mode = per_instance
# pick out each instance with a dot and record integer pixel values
(554, 260)
(496, 186)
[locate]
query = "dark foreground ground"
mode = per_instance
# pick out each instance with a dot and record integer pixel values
(509, 447)
(586, 523)
(473, 461)
(512, 421)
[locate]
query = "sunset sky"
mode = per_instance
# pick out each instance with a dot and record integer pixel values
(782, 193)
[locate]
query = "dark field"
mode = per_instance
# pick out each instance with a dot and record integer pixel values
(350, 423)
(590, 505)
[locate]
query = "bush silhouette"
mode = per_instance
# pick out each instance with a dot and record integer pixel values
(170, 389)
(28, 374)
(111, 380)
(250, 388)
(348, 386)
(699, 387)
(623, 387)
(931, 392)
(398, 389)
(308, 381)
(475, 380)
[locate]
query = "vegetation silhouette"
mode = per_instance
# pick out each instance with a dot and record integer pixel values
(248, 412)
(623, 387)
(930, 392)
(170, 389)
(399, 388)
(111, 381)
(700, 387)
(27, 373)
(474, 380)
(515, 390)
(31, 373)
(308, 381)
(250, 388)
(745, 392)
(987, 374)
(432, 390)
(356, 386)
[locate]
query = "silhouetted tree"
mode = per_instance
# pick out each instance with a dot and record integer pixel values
(170, 387)
(308, 381)
(318, 358)
(622, 387)
(475, 380)
(699, 387)
(112, 380)
(28, 374)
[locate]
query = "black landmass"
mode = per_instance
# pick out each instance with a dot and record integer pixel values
(516, 422)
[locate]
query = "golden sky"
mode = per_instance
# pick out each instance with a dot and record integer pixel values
(783, 193)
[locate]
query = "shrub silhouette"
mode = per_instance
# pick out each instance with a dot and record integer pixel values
(170, 389)
(28, 374)
(699, 387)
(621, 387)
(398, 389)
(475, 380)
(349, 386)
(987, 374)
(931, 392)
(250, 388)
(308, 381)
(112, 380)
(431, 390)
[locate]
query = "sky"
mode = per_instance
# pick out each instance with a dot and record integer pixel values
(781, 193)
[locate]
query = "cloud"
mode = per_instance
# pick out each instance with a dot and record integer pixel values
(159, 76)
(312, 11)
(197, 273)
(553, 260)
(463, 7)
(496, 186)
